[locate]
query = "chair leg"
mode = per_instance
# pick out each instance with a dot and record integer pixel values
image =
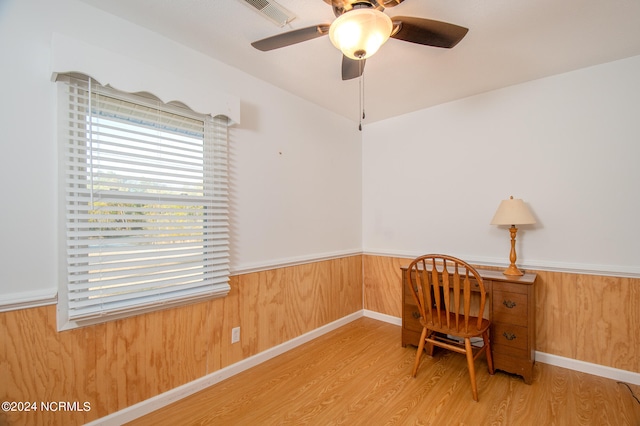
(472, 370)
(487, 346)
(419, 352)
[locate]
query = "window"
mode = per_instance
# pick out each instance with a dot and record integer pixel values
(145, 204)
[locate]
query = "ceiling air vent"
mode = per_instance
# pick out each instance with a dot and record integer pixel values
(272, 11)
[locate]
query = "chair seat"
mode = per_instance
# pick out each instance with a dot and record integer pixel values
(458, 331)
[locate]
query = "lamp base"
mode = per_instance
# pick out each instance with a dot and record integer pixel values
(512, 270)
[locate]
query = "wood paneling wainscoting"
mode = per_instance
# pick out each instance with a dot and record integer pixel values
(120, 363)
(590, 318)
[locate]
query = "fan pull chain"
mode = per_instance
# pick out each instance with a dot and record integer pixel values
(361, 96)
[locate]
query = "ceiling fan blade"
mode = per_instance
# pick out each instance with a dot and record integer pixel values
(352, 68)
(427, 31)
(291, 37)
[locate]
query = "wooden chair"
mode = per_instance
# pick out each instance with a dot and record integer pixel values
(442, 287)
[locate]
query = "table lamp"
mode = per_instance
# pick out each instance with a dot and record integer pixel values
(513, 212)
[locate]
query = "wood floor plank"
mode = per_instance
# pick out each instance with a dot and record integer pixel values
(360, 375)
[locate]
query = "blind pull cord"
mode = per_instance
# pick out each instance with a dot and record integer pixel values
(91, 141)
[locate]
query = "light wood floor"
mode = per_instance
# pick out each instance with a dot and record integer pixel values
(360, 375)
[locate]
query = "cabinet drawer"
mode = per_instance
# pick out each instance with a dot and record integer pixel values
(511, 287)
(510, 307)
(509, 335)
(411, 318)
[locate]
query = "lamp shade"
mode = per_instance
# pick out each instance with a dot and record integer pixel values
(513, 212)
(359, 33)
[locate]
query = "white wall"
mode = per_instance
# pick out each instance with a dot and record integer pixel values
(569, 145)
(295, 168)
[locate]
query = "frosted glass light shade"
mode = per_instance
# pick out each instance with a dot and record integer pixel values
(513, 212)
(359, 33)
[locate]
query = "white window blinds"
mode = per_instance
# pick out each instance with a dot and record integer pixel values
(146, 203)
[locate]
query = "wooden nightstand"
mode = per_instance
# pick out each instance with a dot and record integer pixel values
(512, 313)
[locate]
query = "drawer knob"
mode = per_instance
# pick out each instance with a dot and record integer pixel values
(415, 314)
(509, 304)
(509, 336)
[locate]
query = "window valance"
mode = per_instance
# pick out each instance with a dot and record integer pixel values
(131, 75)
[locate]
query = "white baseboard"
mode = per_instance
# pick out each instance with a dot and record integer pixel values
(589, 368)
(383, 317)
(147, 406)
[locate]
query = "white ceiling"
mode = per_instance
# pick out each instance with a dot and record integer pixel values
(509, 42)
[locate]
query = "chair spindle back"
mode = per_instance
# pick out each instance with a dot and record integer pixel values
(441, 286)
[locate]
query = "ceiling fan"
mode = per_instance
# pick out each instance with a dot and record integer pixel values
(368, 17)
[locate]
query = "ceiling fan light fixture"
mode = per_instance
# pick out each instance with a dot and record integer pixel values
(359, 33)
